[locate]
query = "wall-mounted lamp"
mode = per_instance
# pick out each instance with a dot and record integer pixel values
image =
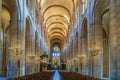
(82, 58)
(37, 60)
(94, 52)
(78, 56)
(31, 56)
(16, 51)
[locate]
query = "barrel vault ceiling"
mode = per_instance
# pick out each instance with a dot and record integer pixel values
(57, 16)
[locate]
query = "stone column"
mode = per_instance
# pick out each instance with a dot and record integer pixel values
(84, 52)
(79, 53)
(1, 39)
(91, 40)
(5, 38)
(98, 45)
(0, 11)
(33, 9)
(38, 53)
(4, 56)
(73, 55)
(114, 39)
(23, 26)
(70, 57)
(14, 41)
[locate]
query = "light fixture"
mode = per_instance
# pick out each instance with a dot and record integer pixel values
(82, 58)
(17, 51)
(31, 56)
(94, 52)
(75, 58)
(36, 60)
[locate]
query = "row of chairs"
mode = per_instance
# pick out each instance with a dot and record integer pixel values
(75, 76)
(37, 76)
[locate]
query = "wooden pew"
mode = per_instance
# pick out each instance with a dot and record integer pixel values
(37, 76)
(74, 76)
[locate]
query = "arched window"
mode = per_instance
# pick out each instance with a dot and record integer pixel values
(56, 55)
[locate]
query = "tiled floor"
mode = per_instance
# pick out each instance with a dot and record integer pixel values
(56, 75)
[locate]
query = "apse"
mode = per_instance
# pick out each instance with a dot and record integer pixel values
(56, 55)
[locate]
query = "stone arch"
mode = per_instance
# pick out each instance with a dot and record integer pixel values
(84, 36)
(5, 18)
(105, 37)
(5, 21)
(30, 5)
(11, 36)
(12, 9)
(98, 10)
(28, 34)
(28, 44)
(98, 32)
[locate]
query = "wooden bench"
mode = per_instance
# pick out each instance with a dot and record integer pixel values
(38, 76)
(74, 76)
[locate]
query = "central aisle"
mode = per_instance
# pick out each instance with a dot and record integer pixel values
(56, 75)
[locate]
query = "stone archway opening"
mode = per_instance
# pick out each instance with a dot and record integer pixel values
(5, 18)
(5, 21)
(105, 37)
(28, 50)
(28, 37)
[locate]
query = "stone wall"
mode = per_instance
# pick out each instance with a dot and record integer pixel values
(0, 39)
(95, 37)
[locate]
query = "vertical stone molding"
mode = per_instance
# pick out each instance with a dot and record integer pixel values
(114, 39)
